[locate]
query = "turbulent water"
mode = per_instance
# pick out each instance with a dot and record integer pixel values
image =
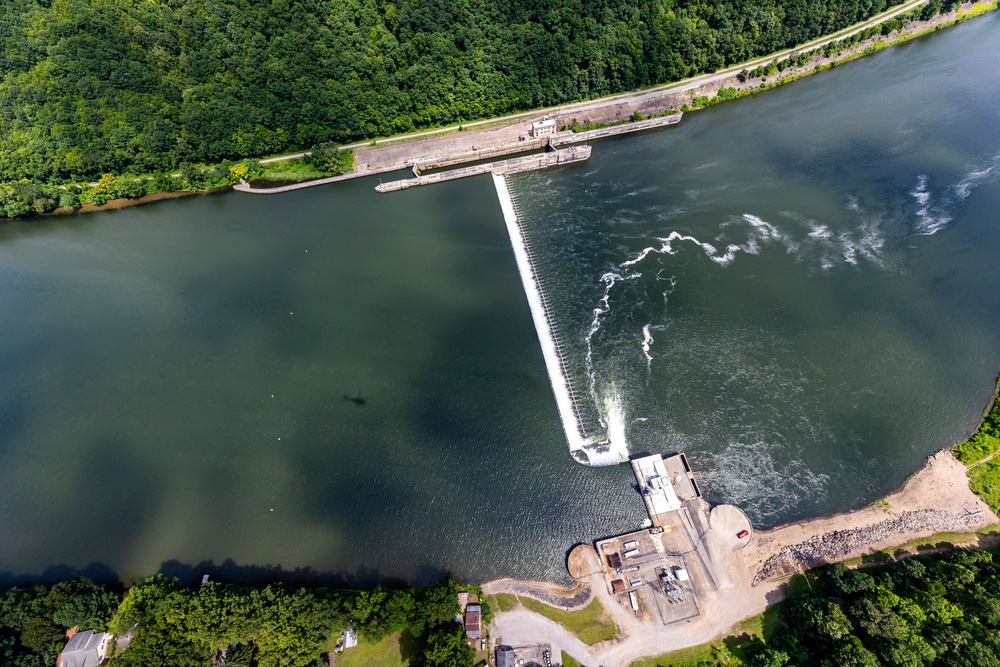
(799, 289)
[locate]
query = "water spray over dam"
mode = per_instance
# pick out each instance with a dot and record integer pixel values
(595, 450)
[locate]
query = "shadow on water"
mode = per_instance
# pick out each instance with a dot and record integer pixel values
(230, 572)
(358, 400)
(97, 572)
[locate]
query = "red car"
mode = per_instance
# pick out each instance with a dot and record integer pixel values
(742, 534)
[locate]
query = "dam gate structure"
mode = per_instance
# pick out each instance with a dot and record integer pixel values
(555, 363)
(559, 148)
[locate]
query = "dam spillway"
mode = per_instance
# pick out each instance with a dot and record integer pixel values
(597, 452)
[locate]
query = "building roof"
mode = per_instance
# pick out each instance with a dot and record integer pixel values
(505, 657)
(83, 649)
(656, 485)
(472, 618)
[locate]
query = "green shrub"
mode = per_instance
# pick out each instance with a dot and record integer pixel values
(986, 439)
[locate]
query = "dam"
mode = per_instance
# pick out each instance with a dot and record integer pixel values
(596, 451)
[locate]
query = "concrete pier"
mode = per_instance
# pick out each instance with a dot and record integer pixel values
(503, 167)
(479, 154)
(564, 138)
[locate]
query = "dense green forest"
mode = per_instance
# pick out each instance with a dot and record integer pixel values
(922, 611)
(133, 86)
(267, 626)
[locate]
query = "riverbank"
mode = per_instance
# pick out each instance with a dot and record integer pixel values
(934, 509)
(937, 509)
(900, 24)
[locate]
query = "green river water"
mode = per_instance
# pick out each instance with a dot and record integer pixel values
(349, 383)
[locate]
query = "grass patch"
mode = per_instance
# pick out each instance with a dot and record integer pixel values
(728, 651)
(986, 439)
(800, 583)
(984, 480)
(385, 653)
(592, 624)
(977, 9)
(291, 170)
(977, 448)
(502, 601)
(685, 657)
(569, 661)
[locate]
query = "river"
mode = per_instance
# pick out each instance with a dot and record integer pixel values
(345, 384)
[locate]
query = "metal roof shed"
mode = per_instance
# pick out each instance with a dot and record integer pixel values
(86, 649)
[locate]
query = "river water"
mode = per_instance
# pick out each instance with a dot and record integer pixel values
(799, 289)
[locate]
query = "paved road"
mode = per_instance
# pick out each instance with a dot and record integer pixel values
(666, 89)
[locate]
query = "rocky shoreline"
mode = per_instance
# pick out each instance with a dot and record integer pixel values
(839, 544)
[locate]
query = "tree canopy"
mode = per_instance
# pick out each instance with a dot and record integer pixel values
(924, 611)
(266, 626)
(90, 87)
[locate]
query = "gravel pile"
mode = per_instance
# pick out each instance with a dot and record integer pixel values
(836, 545)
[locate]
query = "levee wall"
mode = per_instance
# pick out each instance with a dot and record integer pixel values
(479, 154)
(564, 138)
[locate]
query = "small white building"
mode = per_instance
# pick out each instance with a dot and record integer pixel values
(543, 128)
(86, 649)
(655, 484)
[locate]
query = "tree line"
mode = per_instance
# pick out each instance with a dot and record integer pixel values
(923, 611)
(90, 87)
(267, 626)
(932, 610)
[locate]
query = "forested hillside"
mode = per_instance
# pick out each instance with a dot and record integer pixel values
(133, 86)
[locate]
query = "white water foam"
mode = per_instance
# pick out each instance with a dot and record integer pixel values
(930, 218)
(560, 383)
(975, 178)
(609, 279)
(666, 248)
(830, 249)
(647, 335)
(746, 473)
(935, 213)
(762, 233)
(613, 413)
(820, 232)
(647, 341)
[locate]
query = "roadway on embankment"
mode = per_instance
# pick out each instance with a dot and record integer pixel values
(640, 95)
